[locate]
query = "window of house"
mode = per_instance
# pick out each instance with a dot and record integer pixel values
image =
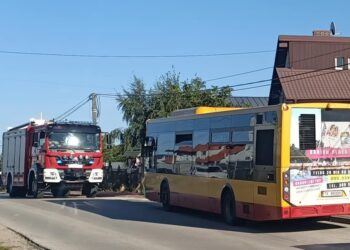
(339, 63)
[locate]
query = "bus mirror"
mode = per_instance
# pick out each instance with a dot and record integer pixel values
(148, 146)
(149, 142)
(307, 131)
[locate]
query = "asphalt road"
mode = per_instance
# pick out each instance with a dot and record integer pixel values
(135, 223)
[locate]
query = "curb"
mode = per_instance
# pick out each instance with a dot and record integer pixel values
(30, 241)
(115, 194)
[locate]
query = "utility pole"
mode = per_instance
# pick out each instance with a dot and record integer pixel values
(93, 97)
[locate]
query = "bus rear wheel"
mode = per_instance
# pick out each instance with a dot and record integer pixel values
(165, 196)
(229, 209)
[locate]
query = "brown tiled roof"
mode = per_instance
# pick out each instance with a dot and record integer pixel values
(308, 85)
(336, 39)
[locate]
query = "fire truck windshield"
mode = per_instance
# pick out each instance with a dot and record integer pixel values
(74, 140)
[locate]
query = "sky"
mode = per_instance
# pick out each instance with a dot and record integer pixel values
(31, 84)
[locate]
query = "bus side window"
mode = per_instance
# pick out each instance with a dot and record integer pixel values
(183, 153)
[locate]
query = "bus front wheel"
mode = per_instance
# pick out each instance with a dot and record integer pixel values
(165, 196)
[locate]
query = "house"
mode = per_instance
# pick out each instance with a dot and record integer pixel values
(311, 68)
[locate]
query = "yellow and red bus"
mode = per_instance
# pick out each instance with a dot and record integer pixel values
(268, 163)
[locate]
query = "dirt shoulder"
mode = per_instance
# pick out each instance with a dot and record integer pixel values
(11, 240)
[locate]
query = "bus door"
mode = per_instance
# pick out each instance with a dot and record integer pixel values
(264, 169)
(264, 154)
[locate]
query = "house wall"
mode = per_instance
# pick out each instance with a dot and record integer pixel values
(316, 55)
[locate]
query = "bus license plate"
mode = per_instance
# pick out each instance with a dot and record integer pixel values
(332, 193)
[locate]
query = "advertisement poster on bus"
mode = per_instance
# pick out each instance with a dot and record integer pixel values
(321, 175)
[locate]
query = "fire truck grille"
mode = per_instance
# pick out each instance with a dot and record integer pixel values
(74, 175)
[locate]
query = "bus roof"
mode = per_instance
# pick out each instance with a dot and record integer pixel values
(202, 112)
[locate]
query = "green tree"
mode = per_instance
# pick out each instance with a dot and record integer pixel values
(134, 104)
(168, 94)
(116, 153)
(165, 97)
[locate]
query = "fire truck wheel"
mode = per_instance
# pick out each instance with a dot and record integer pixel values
(90, 190)
(9, 185)
(18, 192)
(10, 188)
(33, 186)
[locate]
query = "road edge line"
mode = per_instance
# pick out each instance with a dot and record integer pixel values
(30, 241)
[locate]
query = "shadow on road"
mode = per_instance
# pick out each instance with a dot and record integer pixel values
(145, 211)
(324, 246)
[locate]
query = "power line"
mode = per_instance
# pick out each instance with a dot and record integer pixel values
(134, 56)
(73, 109)
(238, 74)
(254, 87)
(110, 95)
(265, 68)
(250, 83)
(290, 76)
(292, 80)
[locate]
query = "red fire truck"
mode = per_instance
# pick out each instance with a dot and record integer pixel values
(46, 155)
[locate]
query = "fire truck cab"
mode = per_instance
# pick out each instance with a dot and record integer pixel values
(52, 156)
